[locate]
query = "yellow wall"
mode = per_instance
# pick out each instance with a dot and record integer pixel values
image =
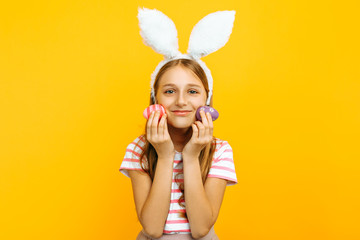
(74, 80)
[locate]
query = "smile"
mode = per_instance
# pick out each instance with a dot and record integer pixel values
(181, 113)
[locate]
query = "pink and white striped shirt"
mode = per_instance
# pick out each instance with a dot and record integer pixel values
(222, 167)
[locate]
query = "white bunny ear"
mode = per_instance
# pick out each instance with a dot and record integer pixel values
(158, 32)
(211, 33)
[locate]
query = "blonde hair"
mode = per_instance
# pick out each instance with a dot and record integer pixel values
(206, 155)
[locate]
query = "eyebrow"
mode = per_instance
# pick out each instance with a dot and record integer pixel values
(173, 85)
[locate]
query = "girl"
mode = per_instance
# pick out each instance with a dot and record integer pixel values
(178, 169)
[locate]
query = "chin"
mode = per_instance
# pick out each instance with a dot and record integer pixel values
(180, 123)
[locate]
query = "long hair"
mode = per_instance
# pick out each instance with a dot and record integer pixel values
(206, 155)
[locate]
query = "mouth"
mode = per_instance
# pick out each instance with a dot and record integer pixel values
(181, 113)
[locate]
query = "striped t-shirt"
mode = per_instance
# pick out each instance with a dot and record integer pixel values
(222, 167)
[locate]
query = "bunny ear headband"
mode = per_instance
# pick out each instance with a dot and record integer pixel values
(209, 35)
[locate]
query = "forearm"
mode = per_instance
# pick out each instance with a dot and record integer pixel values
(156, 207)
(198, 207)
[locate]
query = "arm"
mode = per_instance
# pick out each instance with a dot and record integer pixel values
(203, 202)
(152, 200)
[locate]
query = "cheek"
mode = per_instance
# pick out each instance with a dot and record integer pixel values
(201, 102)
(166, 105)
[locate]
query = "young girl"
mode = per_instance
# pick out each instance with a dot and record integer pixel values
(178, 169)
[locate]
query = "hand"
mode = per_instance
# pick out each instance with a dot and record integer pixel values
(157, 134)
(202, 135)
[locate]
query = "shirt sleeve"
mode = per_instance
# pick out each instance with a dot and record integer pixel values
(223, 164)
(131, 159)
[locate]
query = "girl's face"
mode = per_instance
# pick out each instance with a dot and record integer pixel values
(181, 93)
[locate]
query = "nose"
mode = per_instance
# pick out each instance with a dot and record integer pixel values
(181, 100)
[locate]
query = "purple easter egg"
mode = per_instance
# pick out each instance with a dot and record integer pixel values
(214, 114)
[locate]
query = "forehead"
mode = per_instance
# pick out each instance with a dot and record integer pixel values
(181, 77)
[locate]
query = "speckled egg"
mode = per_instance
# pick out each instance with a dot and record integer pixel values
(214, 114)
(154, 107)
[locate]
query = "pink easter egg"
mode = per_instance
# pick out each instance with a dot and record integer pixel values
(154, 107)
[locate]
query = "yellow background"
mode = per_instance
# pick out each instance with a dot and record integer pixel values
(74, 80)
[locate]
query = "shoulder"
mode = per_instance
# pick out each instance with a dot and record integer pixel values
(131, 160)
(223, 163)
(137, 145)
(221, 146)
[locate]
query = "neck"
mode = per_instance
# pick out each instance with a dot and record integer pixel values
(180, 136)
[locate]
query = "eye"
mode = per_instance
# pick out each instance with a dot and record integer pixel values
(190, 91)
(193, 91)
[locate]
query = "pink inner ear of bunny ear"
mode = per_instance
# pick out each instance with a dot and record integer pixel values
(158, 32)
(211, 33)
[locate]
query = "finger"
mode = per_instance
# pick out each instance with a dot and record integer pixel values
(155, 123)
(161, 126)
(210, 121)
(148, 125)
(205, 123)
(210, 124)
(195, 130)
(166, 132)
(201, 129)
(204, 119)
